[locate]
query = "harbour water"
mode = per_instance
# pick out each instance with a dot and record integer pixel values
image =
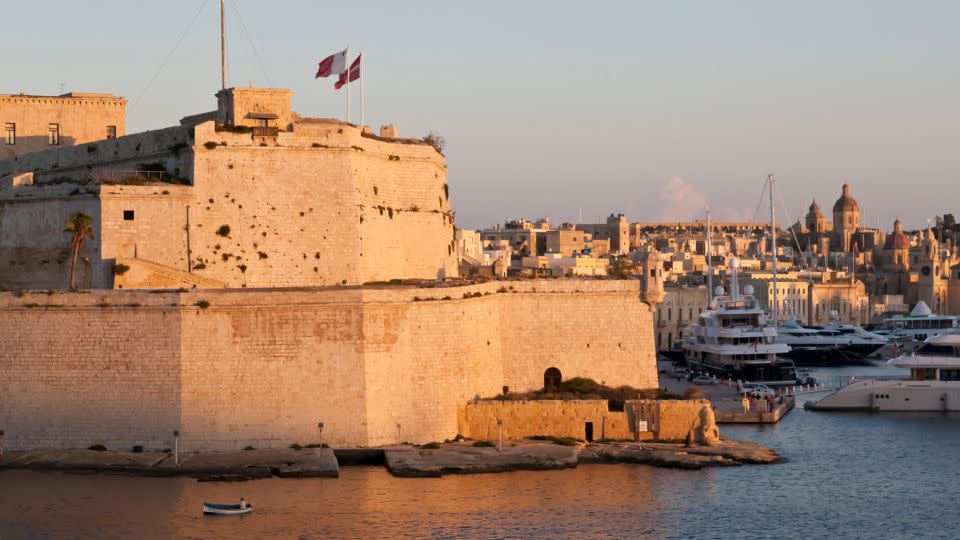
(848, 475)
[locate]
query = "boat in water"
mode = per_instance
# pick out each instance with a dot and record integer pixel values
(933, 385)
(920, 324)
(734, 339)
(227, 509)
(834, 344)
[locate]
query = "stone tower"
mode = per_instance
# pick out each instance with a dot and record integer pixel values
(846, 220)
(816, 223)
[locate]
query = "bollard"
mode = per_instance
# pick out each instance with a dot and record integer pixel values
(500, 435)
(320, 427)
(176, 446)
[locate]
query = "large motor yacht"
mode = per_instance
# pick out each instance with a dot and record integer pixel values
(733, 339)
(854, 340)
(934, 383)
(920, 324)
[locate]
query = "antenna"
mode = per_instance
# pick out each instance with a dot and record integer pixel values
(709, 253)
(61, 87)
(223, 49)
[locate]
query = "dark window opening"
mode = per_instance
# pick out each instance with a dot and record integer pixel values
(111, 132)
(128, 215)
(552, 378)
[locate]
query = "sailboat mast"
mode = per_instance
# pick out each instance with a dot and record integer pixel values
(773, 252)
(223, 50)
(709, 266)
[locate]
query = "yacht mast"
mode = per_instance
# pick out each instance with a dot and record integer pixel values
(773, 252)
(709, 253)
(223, 50)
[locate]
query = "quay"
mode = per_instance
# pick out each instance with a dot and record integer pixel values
(426, 461)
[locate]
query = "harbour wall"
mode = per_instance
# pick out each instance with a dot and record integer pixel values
(231, 368)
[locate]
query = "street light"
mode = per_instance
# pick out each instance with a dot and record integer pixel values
(320, 427)
(176, 446)
(500, 435)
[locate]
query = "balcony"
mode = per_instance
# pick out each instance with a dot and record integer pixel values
(265, 131)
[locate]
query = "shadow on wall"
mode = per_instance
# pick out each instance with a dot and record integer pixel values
(30, 144)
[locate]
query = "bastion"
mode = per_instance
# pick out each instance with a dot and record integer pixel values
(229, 368)
(251, 195)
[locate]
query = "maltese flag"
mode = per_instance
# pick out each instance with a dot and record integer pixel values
(334, 64)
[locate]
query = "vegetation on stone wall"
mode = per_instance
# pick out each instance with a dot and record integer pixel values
(224, 231)
(202, 304)
(435, 140)
(120, 269)
(80, 229)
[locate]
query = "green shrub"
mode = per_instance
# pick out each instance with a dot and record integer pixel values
(210, 145)
(120, 269)
(97, 448)
(296, 446)
(431, 446)
(248, 448)
(484, 444)
(202, 304)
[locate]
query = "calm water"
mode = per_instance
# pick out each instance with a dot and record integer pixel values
(848, 476)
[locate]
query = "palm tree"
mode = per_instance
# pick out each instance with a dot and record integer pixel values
(78, 224)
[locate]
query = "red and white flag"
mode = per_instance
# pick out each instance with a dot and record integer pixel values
(334, 64)
(354, 74)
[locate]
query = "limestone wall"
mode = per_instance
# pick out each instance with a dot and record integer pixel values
(262, 367)
(321, 205)
(82, 118)
(548, 417)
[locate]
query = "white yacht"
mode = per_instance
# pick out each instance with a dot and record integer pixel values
(934, 383)
(733, 339)
(920, 324)
(833, 344)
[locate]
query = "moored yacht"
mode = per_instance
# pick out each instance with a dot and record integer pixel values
(933, 385)
(733, 339)
(920, 324)
(833, 344)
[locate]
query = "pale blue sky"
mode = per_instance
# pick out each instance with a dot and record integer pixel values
(548, 107)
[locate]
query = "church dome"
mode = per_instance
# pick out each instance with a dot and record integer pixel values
(897, 239)
(815, 209)
(846, 203)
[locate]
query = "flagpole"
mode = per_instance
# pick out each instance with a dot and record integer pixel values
(347, 60)
(362, 77)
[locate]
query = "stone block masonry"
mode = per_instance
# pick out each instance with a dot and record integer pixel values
(231, 368)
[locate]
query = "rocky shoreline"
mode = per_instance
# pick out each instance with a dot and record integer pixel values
(403, 461)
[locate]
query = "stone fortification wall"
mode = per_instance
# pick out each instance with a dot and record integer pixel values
(262, 367)
(665, 419)
(547, 417)
(320, 205)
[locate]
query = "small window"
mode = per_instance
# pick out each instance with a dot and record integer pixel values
(10, 133)
(53, 134)
(128, 215)
(111, 132)
(261, 122)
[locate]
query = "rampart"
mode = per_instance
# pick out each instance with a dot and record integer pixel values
(231, 368)
(322, 204)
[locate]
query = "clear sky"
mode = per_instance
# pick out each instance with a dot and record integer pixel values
(548, 107)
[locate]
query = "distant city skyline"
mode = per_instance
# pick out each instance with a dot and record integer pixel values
(649, 110)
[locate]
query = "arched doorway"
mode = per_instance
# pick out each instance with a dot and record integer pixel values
(552, 378)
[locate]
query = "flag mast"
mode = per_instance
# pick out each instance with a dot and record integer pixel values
(347, 60)
(362, 77)
(223, 50)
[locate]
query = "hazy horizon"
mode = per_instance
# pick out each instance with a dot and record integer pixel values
(550, 109)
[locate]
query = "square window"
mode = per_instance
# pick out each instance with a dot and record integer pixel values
(10, 133)
(128, 215)
(111, 132)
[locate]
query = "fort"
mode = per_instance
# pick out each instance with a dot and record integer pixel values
(250, 277)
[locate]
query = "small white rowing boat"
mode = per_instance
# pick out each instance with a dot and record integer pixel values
(226, 509)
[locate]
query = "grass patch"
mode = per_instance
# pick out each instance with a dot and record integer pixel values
(431, 446)
(484, 444)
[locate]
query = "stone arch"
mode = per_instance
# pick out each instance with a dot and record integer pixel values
(552, 378)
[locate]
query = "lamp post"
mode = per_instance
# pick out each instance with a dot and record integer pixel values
(500, 435)
(1, 442)
(399, 440)
(176, 446)
(320, 427)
